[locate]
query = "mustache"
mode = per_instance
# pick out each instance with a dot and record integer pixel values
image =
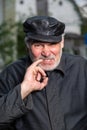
(47, 58)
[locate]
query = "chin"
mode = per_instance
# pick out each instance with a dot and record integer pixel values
(48, 67)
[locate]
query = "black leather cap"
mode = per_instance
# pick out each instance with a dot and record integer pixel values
(44, 28)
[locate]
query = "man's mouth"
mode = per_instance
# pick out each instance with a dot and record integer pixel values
(48, 61)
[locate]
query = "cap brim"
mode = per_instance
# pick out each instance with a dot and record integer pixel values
(45, 38)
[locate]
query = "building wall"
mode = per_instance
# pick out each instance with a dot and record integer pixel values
(7, 10)
(25, 9)
(65, 11)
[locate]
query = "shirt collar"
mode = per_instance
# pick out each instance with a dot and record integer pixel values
(61, 66)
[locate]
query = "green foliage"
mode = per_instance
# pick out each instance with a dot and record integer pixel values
(6, 43)
(11, 42)
(21, 50)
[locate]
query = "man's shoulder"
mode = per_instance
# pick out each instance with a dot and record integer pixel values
(74, 60)
(18, 65)
(24, 60)
(19, 62)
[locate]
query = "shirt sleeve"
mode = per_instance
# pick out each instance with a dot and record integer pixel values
(11, 104)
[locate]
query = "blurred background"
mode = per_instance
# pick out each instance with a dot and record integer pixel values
(14, 12)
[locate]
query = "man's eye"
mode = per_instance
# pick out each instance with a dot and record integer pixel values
(53, 43)
(37, 45)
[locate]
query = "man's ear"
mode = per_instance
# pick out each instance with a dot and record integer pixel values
(62, 43)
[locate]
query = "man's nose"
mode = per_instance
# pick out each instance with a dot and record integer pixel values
(46, 51)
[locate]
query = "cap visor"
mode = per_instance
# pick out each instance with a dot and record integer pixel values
(45, 38)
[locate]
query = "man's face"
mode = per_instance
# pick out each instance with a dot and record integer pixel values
(49, 52)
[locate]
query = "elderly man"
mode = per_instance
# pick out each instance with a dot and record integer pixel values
(45, 90)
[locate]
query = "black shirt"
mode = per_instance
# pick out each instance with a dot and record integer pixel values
(62, 105)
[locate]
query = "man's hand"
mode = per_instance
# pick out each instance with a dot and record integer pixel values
(35, 79)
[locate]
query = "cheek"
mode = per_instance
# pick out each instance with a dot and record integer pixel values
(56, 50)
(36, 52)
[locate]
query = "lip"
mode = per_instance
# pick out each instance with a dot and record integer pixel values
(48, 61)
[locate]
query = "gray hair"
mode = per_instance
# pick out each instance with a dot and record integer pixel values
(29, 42)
